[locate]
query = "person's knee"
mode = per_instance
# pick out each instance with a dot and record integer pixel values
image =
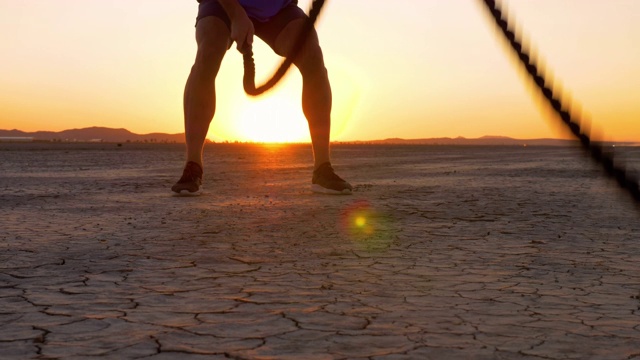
(207, 60)
(310, 61)
(309, 58)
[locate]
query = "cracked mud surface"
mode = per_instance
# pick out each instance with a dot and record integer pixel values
(478, 253)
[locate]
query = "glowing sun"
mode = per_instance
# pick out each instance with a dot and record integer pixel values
(276, 118)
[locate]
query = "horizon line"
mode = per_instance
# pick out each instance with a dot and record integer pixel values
(416, 141)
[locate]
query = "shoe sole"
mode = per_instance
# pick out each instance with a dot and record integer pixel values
(320, 190)
(186, 193)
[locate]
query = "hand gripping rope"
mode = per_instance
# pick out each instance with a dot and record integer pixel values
(249, 81)
(626, 179)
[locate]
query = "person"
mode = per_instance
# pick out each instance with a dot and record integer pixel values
(277, 22)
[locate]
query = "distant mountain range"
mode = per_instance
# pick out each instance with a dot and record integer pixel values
(102, 134)
(93, 134)
(485, 140)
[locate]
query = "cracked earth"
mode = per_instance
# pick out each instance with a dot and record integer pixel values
(440, 253)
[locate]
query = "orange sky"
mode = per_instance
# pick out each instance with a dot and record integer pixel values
(406, 68)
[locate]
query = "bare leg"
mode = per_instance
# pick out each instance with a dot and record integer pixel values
(212, 37)
(316, 90)
(316, 105)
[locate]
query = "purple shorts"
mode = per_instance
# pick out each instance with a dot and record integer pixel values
(267, 28)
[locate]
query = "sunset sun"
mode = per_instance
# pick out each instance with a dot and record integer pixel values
(275, 118)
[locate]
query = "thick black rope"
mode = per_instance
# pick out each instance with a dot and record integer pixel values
(626, 179)
(249, 79)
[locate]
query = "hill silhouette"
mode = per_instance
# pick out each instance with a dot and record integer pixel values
(485, 140)
(95, 134)
(104, 134)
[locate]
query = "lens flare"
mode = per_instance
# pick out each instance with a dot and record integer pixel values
(361, 222)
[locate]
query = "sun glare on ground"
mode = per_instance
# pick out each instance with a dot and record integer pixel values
(271, 119)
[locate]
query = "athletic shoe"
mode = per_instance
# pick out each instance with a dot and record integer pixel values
(191, 179)
(325, 181)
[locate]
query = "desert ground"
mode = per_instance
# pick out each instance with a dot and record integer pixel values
(441, 252)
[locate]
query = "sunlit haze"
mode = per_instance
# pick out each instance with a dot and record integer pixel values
(405, 68)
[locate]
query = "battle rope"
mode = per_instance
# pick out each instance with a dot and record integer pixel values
(625, 179)
(249, 80)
